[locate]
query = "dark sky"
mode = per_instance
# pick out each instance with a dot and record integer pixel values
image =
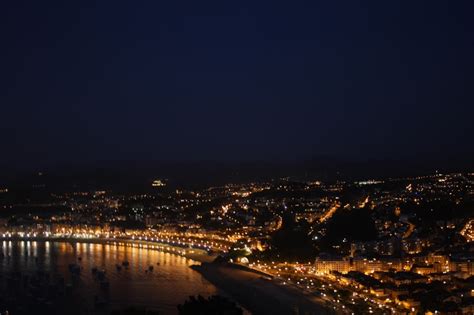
(234, 80)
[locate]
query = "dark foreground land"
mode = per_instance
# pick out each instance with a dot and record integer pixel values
(258, 295)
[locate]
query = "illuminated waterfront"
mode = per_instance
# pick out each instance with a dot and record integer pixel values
(168, 285)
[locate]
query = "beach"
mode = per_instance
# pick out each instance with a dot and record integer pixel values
(257, 293)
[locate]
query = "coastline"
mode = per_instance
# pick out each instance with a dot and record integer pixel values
(258, 295)
(195, 254)
(47, 265)
(247, 287)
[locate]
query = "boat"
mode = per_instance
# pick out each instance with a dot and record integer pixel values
(125, 263)
(150, 268)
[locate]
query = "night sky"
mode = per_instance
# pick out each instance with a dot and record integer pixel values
(85, 82)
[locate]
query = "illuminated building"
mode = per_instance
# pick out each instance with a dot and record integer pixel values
(328, 264)
(158, 183)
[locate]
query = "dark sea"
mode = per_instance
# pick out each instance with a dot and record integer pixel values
(80, 278)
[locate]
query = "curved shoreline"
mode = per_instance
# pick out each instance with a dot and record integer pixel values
(258, 294)
(196, 254)
(51, 258)
(244, 285)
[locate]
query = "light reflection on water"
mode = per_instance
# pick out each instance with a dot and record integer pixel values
(169, 284)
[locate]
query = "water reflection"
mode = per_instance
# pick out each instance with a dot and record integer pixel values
(169, 284)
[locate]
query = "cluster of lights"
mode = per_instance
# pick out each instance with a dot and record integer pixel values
(306, 278)
(166, 238)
